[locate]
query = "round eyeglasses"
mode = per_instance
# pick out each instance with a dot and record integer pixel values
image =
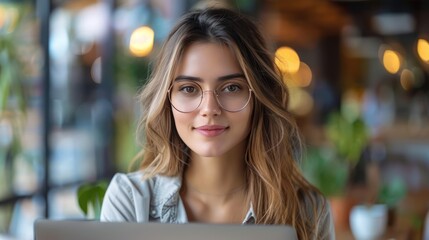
(186, 96)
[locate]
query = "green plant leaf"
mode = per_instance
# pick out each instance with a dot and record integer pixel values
(4, 90)
(91, 195)
(325, 171)
(349, 137)
(4, 79)
(392, 192)
(83, 197)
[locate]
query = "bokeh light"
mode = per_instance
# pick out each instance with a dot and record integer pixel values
(302, 78)
(141, 41)
(391, 61)
(407, 79)
(305, 75)
(96, 71)
(301, 102)
(287, 60)
(423, 49)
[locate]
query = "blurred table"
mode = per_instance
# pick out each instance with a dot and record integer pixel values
(391, 234)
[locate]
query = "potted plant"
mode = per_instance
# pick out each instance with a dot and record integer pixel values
(369, 221)
(329, 167)
(325, 171)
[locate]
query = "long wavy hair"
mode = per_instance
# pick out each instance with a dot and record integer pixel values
(278, 191)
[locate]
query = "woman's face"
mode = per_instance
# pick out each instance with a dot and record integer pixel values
(210, 130)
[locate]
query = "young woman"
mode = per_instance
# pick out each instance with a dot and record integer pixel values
(219, 145)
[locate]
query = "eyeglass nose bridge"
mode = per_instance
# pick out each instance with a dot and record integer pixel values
(215, 94)
(213, 91)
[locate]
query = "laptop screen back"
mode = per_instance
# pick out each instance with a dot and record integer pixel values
(71, 230)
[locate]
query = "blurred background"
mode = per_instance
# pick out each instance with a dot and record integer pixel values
(357, 72)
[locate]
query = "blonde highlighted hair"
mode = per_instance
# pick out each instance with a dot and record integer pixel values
(278, 191)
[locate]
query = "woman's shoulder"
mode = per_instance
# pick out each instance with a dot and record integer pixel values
(129, 182)
(130, 196)
(140, 182)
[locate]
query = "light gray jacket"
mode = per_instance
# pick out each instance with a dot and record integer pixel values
(130, 198)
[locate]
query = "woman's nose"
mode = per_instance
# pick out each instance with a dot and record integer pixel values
(209, 104)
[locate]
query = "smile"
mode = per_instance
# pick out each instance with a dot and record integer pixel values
(211, 130)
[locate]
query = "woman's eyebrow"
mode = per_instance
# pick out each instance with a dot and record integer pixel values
(189, 78)
(222, 78)
(231, 76)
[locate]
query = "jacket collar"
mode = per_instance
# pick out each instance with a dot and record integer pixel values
(169, 187)
(165, 204)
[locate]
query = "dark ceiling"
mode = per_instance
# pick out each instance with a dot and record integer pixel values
(304, 22)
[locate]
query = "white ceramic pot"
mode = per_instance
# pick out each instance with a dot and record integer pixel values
(368, 222)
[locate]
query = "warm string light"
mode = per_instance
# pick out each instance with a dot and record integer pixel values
(287, 60)
(296, 75)
(303, 77)
(423, 49)
(409, 77)
(141, 41)
(391, 61)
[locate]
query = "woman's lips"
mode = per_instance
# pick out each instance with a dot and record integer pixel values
(211, 130)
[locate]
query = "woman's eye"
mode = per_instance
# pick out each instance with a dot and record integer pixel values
(232, 88)
(188, 89)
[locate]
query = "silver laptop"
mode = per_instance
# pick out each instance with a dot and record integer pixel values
(72, 230)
